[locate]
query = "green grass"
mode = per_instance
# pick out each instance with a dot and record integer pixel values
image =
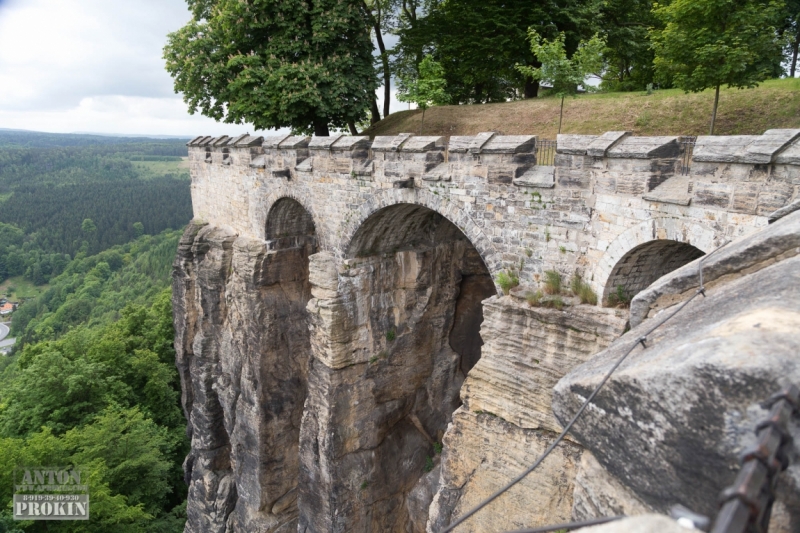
(156, 169)
(774, 104)
(23, 289)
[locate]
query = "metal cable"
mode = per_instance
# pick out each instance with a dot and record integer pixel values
(569, 526)
(641, 340)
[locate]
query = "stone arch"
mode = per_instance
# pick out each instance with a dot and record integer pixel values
(261, 210)
(289, 218)
(680, 240)
(446, 208)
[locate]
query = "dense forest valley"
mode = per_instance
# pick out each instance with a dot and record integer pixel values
(89, 226)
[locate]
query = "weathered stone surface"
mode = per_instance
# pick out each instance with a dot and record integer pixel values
(600, 145)
(575, 144)
(484, 452)
(674, 436)
(760, 250)
(509, 144)
(675, 190)
(782, 212)
(527, 350)
(751, 149)
(638, 524)
(598, 494)
(645, 148)
(244, 372)
(539, 176)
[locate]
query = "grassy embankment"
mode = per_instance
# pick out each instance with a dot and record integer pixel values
(775, 104)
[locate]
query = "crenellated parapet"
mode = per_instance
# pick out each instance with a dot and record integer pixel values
(602, 196)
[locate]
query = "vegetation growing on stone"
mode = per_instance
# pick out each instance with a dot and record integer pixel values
(582, 290)
(552, 282)
(507, 279)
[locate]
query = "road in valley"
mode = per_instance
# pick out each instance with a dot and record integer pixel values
(3, 331)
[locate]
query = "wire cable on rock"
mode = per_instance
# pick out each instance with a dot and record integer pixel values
(640, 340)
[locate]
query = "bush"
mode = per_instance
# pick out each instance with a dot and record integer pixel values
(582, 290)
(507, 280)
(552, 282)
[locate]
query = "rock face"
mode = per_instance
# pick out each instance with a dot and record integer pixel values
(385, 376)
(670, 423)
(243, 353)
(506, 420)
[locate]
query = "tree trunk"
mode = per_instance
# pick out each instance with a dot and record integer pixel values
(352, 127)
(531, 88)
(387, 75)
(321, 127)
(561, 116)
(795, 47)
(376, 114)
(422, 124)
(714, 112)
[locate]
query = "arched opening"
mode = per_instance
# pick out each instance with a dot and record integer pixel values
(410, 296)
(643, 265)
(280, 283)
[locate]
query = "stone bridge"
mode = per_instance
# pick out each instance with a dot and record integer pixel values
(337, 314)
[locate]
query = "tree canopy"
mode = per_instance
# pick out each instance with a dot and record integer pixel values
(303, 64)
(708, 43)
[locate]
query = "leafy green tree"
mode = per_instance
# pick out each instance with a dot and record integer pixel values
(563, 73)
(138, 228)
(479, 42)
(624, 26)
(88, 227)
(709, 43)
(275, 63)
(425, 89)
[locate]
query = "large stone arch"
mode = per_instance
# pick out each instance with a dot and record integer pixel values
(675, 229)
(448, 209)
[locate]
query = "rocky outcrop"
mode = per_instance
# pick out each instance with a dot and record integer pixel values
(506, 420)
(242, 353)
(670, 423)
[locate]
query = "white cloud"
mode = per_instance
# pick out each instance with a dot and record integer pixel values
(96, 66)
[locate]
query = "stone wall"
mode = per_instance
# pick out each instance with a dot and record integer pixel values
(336, 316)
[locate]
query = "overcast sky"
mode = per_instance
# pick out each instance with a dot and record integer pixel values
(94, 66)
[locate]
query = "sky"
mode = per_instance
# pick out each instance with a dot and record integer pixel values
(95, 66)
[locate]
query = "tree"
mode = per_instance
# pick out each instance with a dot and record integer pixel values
(790, 29)
(624, 25)
(480, 42)
(565, 75)
(138, 229)
(275, 63)
(426, 89)
(88, 227)
(709, 43)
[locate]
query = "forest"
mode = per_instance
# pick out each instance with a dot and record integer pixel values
(92, 380)
(83, 196)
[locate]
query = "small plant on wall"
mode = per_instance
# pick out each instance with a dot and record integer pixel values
(582, 290)
(507, 280)
(619, 298)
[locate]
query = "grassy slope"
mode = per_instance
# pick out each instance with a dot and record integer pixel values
(775, 104)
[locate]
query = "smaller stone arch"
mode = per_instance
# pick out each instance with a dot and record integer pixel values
(643, 253)
(290, 225)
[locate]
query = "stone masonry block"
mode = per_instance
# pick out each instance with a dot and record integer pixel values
(509, 144)
(711, 194)
(646, 148)
(600, 146)
(574, 144)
